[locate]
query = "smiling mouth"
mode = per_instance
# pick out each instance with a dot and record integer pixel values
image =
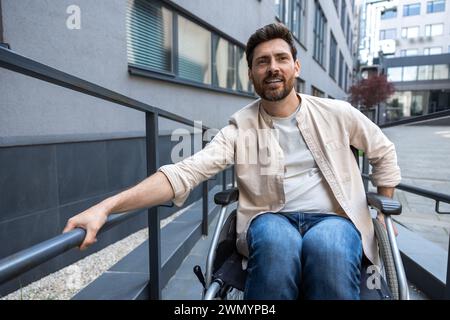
(273, 81)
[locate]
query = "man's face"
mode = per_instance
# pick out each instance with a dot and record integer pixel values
(273, 70)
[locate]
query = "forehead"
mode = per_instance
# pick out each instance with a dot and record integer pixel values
(274, 46)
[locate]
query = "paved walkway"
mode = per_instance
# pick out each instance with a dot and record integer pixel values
(424, 158)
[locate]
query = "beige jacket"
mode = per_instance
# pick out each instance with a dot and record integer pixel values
(329, 128)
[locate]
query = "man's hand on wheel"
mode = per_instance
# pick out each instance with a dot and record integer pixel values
(90, 220)
(380, 218)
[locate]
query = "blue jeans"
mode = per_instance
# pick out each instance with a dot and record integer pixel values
(302, 255)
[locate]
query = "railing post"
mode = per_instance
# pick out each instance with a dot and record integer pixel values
(154, 231)
(224, 180)
(232, 176)
(447, 283)
(204, 196)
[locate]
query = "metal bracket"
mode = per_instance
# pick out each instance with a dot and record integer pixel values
(437, 208)
(167, 205)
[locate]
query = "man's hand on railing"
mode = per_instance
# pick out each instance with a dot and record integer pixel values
(90, 220)
(152, 191)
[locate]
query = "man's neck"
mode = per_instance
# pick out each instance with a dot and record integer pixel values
(283, 108)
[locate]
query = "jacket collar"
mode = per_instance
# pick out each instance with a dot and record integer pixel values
(268, 119)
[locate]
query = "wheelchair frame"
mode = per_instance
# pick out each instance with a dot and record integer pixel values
(389, 252)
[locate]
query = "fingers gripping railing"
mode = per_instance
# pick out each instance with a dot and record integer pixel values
(22, 261)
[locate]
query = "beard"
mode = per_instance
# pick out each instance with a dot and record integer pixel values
(270, 92)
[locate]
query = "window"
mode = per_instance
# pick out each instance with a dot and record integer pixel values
(425, 72)
(333, 56)
(224, 61)
(345, 78)
(194, 51)
(421, 73)
(316, 92)
(300, 85)
(389, 13)
(411, 9)
(410, 73)
(347, 33)
(341, 69)
(388, 34)
(410, 32)
(299, 20)
(395, 74)
(435, 6)
(350, 79)
(320, 26)
(343, 14)
(293, 14)
(417, 103)
(287, 13)
(409, 52)
(279, 8)
(336, 5)
(243, 83)
(440, 72)
(431, 51)
(432, 30)
(149, 36)
(189, 53)
(350, 42)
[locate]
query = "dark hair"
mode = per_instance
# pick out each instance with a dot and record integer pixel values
(266, 33)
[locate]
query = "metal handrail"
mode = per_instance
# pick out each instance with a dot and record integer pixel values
(17, 263)
(416, 119)
(437, 196)
(22, 261)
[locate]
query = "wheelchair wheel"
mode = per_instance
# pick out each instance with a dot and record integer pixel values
(387, 258)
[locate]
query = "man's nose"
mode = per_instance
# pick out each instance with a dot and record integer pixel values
(273, 66)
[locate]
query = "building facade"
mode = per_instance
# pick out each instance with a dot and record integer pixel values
(65, 151)
(409, 41)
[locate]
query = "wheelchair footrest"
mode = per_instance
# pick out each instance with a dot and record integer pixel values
(231, 272)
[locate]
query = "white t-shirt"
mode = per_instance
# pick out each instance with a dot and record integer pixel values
(305, 188)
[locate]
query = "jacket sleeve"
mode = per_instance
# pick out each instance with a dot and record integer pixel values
(368, 137)
(190, 172)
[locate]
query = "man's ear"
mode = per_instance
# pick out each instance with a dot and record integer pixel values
(297, 68)
(250, 77)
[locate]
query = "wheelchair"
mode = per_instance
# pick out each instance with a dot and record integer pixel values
(224, 278)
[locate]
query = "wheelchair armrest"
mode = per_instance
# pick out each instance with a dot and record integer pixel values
(226, 197)
(384, 204)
